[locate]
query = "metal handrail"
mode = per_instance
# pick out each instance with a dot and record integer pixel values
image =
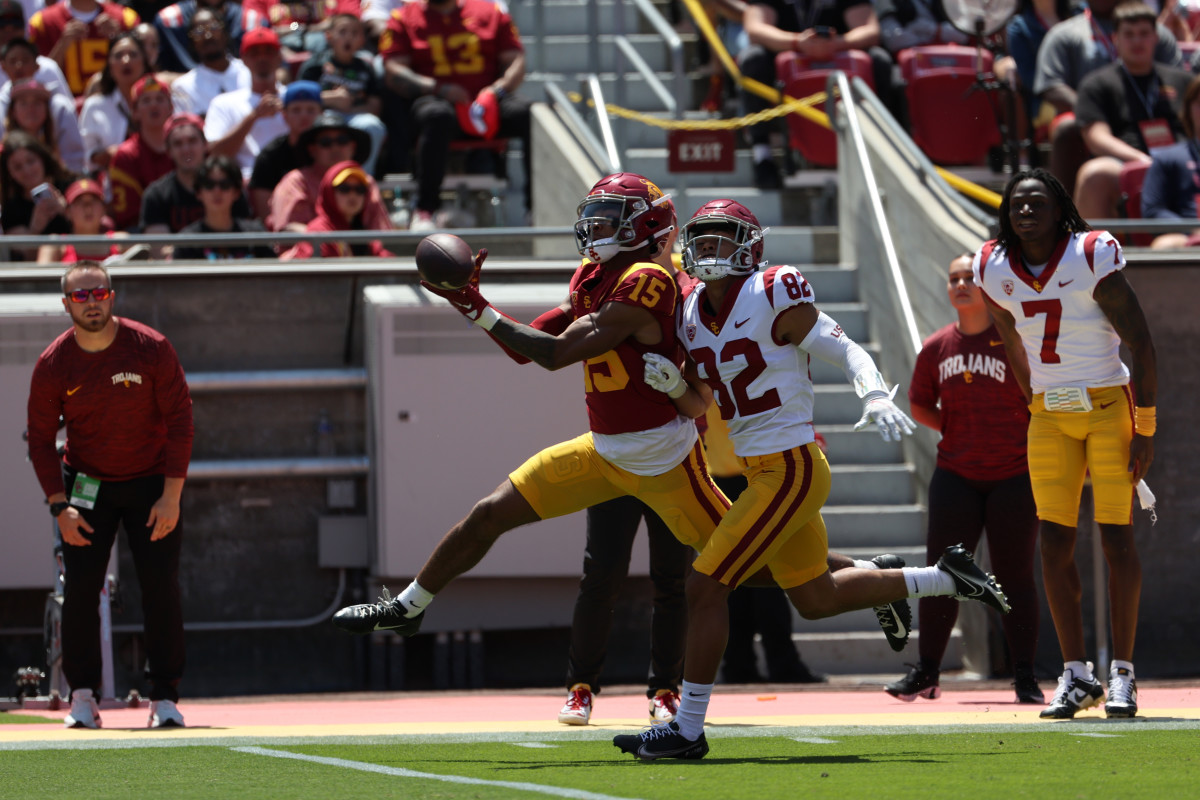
(583, 132)
(674, 44)
(644, 70)
(606, 131)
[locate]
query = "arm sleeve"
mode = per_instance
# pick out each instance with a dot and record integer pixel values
(44, 410)
(175, 405)
(923, 390)
(828, 342)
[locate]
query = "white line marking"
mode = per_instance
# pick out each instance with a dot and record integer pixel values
(533, 745)
(576, 794)
(814, 740)
(1101, 735)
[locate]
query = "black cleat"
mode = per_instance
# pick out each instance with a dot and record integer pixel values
(661, 741)
(970, 582)
(895, 617)
(1073, 695)
(1026, 685)
(386, 615)
(919, 682)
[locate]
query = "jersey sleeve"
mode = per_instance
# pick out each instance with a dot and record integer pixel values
(394, 39)
(923, 389)
(786, 287)
(1104, 254)
(507, 36)
(648, 286)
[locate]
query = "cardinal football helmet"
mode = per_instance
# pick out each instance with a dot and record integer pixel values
(622, 212)
(716, 223)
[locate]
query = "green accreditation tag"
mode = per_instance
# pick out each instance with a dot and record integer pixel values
(84, 491)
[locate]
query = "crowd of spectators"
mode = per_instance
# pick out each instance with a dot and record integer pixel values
(212, 116)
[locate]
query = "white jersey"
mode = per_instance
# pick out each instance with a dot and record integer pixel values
(1068, 339)
(762, 385)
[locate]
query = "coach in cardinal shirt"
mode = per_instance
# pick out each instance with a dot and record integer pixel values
(120, 389)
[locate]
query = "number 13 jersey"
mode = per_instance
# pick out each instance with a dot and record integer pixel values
(761, 383)
(1068, 339)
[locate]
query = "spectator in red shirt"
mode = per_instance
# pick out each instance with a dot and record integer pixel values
(341, 206)
(964, 387)
(142, 158)
(120, 390)
(76, 33)
(452, 56)
(85, 210)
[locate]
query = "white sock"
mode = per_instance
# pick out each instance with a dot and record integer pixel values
(927, 581)
(693, 705)
(1125, 665)
(414, 599)
(761, 152)
(865, 564)
(1080, 669)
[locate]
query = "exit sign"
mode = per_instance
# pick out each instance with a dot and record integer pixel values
(700, 151)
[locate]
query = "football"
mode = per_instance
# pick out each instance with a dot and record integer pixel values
(445, 260)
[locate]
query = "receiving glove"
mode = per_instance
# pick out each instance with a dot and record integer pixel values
(663, 375)
(467, 300)
(891, 421)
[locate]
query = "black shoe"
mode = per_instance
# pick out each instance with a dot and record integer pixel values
(797, 674)
(1073, 695)
(766, 175)
(661, 741)
(895, 617)
(919, 682)
(1026, 685)
(970, 582)
(386, 615)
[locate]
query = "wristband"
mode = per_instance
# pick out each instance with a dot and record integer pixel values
(488, 318)
(1144, 421)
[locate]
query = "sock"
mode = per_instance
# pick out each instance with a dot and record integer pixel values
(1080, 669)
(1115, 665)
(414, 599)
(927, 581)
(865, 564)
(761, 152)
(693, 705)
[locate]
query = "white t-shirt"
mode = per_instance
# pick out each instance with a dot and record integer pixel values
(194, 91)
(103, 122)
(225, 113)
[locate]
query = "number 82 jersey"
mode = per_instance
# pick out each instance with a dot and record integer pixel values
(761, 384)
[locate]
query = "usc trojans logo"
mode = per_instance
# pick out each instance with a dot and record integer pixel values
(652, 190)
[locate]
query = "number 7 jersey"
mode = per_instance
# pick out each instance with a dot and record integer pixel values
(761, 384)
(1068, 339)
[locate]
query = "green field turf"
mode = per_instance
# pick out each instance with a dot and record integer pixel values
(1054, 761)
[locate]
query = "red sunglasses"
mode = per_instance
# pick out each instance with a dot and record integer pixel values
(100, 294)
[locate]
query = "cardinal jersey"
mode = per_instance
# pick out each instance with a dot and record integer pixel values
(761, 383)
(462, 47)
(89, 53)
(1067, 338)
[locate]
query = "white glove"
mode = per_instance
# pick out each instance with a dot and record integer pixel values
(663, 375)
(890, 420)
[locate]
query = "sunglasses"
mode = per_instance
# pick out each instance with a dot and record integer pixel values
(330, 141)
(351, 188)
(100, 294)
(222, 185)
(211, 27)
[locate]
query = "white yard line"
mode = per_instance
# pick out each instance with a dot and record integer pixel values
(362, 766)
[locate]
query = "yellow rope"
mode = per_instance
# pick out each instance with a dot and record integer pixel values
(789, 106)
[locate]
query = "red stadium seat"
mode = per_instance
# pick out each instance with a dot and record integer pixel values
(1133, 174)
(801, 78)
(951, 123)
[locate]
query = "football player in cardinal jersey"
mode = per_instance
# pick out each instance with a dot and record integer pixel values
(1063, 307)
(621, 305)
(749, 332)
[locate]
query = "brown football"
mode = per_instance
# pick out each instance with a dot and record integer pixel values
(445, 260)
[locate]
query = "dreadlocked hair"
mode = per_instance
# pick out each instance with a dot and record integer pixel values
(1069, 223)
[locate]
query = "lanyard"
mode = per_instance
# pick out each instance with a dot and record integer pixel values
(1101, 38)
(1149, 99)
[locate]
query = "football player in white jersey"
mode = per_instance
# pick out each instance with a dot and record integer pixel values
(1063, 307)
(749, 334)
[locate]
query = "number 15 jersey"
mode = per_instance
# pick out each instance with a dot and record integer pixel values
(1068, 339)
(761, 383)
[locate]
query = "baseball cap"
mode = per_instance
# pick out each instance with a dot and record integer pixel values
(182, 120)
(82, 187)
(259, 36)
(12, 10)
(29, 86)
(145, 86)
(346, 173)
(302, 90)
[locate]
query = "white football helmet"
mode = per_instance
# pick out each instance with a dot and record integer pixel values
(716, 223)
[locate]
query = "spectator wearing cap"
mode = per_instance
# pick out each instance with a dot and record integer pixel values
(330, 140)
(25, 165)
(242, 122)
(59, 32)
(215, 73)
(341, 206)
(46, 70)
(104, 120)
(28, 106)
(142, 158)
(85, 211)
(348, 83)
(174, 22)
(301, 107)
(219, 184)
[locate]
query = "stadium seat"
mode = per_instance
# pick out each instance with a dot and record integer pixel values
(801, 78)
(953, 121)
(1133, 174)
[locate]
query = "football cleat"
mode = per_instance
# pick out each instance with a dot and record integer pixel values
(895, 617)
(386, 615)
(661, 741)
(970, 582)
(664, 706)
(85, 713)
(578, 708)
(919, 682)
(1026, 685)
(165, 714)
(1074, 694)
(1122, 693)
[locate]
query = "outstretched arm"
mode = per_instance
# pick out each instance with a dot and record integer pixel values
(1117, 300)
